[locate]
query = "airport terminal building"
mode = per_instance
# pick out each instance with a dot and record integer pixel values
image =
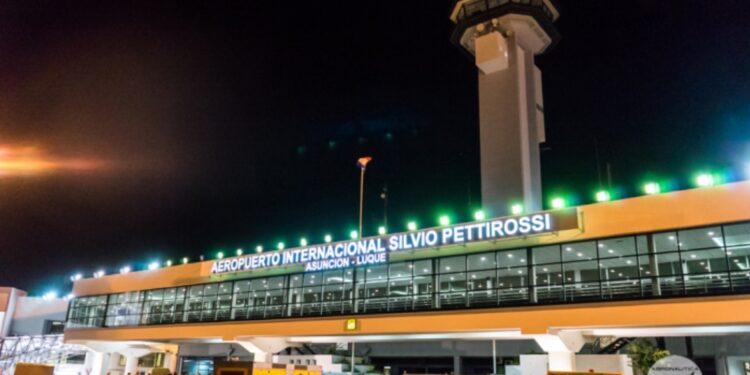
(553, 283)
(563, 289)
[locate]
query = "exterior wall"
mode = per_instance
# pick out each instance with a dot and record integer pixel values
(534, 364)
(699, 311)
(681, 209)
(509, 143)
(31, 313)
(613, 363)
(8, 299)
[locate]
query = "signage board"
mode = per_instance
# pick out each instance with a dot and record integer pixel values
(674, 365)
(375, 250)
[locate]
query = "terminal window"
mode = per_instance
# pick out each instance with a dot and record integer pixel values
(695, 261)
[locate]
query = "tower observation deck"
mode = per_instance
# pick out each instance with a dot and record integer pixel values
(503, 36)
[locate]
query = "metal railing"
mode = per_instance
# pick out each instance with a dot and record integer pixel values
(42, 349)
(474, 7)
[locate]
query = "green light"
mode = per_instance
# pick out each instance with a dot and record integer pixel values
(353, 235)
(381, 230)
(220, 255)
(328, 238)
(169, 263)
(185, 260)
(651, 188)
(558, 202)
(444, 220)
(280, 246)
(259, 249)
(704, 180)
(479, 215)
(516, 209)
(303, 242)
(602, 196)
(411, 225)
(239, 251)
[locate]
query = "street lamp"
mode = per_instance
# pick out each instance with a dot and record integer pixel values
(362, 164)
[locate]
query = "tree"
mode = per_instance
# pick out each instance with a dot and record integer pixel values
(644, 354)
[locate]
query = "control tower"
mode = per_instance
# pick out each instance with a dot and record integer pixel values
(502, 37)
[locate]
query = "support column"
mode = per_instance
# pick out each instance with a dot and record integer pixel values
(561, 361)
(494, 357)
(94, 363)
(561, 349)
(131, 365)
(132, 355)
(170, 362)
(456, 364)
(113, 363)
(722, 360)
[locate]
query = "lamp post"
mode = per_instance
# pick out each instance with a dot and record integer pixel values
(362, 164)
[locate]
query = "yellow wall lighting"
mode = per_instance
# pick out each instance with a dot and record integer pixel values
(351, 325)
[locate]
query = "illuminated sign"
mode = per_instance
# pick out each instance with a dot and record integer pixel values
(375, 250)
(350, 325)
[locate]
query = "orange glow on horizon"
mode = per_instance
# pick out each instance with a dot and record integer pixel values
(23, 161)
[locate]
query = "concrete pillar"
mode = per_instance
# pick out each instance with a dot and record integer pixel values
(722, 361)
(88, 360)
(6, 317)
(456, 364)
(562, 361)
(170, 362)
(94, 363)
(113, 364)
(561, 349)
(132, 354)
(131, 365)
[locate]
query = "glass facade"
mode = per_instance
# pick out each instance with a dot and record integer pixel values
(697, 261)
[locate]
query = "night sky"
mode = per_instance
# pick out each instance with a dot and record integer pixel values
(220, 125)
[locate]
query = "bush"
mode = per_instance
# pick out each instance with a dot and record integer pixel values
(644, 354)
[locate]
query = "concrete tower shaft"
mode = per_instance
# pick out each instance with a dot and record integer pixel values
(503, 36)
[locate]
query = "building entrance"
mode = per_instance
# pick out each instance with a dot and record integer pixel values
(423, 365)
(197, 366)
